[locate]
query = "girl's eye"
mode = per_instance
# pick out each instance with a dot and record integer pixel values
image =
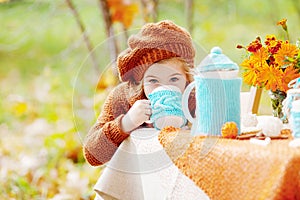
(153, 81)
(174, 79)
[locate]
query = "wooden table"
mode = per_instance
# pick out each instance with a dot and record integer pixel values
(236, 169)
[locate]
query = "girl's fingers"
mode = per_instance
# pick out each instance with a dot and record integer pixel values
(148, 111)
(146, 103)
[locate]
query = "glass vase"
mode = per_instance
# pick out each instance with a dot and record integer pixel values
(277, 98)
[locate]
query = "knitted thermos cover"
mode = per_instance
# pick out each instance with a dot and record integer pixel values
(218, 101)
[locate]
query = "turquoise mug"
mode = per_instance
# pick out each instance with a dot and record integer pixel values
(166, 107)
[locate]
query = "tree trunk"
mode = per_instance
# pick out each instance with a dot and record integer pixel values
(85, 36)
(189, 11)
(149, 10)
(113, 47)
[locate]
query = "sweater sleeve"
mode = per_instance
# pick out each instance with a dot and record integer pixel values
(106, 135)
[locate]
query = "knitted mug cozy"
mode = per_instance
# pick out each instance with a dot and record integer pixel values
(166, 107)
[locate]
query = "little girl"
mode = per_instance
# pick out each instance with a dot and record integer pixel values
(160, 54)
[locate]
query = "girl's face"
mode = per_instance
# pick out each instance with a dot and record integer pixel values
(166, 73)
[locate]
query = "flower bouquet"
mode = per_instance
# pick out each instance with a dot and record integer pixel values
(272, 65)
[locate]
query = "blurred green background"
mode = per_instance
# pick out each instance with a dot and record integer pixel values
(48, 85)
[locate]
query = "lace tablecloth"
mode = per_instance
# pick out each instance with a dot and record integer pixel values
(141, 169)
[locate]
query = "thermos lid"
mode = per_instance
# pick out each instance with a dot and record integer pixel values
(216, 61)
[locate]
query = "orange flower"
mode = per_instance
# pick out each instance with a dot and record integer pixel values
(229, 130)
(260, 56)
(290, 73)
(273, 45)
(253, 66)
(286, 51)
(250, 74)
(272, 65)
(271, 77)
(254, 45)
(271, 40)
(283, 24)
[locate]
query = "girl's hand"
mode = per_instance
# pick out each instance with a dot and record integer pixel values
(137, 115)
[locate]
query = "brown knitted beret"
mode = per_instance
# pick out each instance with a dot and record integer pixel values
(153, 43)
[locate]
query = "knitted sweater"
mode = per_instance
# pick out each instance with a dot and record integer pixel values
(106, 135)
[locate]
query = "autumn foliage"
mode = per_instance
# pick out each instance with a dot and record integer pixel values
(122, 11)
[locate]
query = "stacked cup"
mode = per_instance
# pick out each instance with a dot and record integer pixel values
(295, 118)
